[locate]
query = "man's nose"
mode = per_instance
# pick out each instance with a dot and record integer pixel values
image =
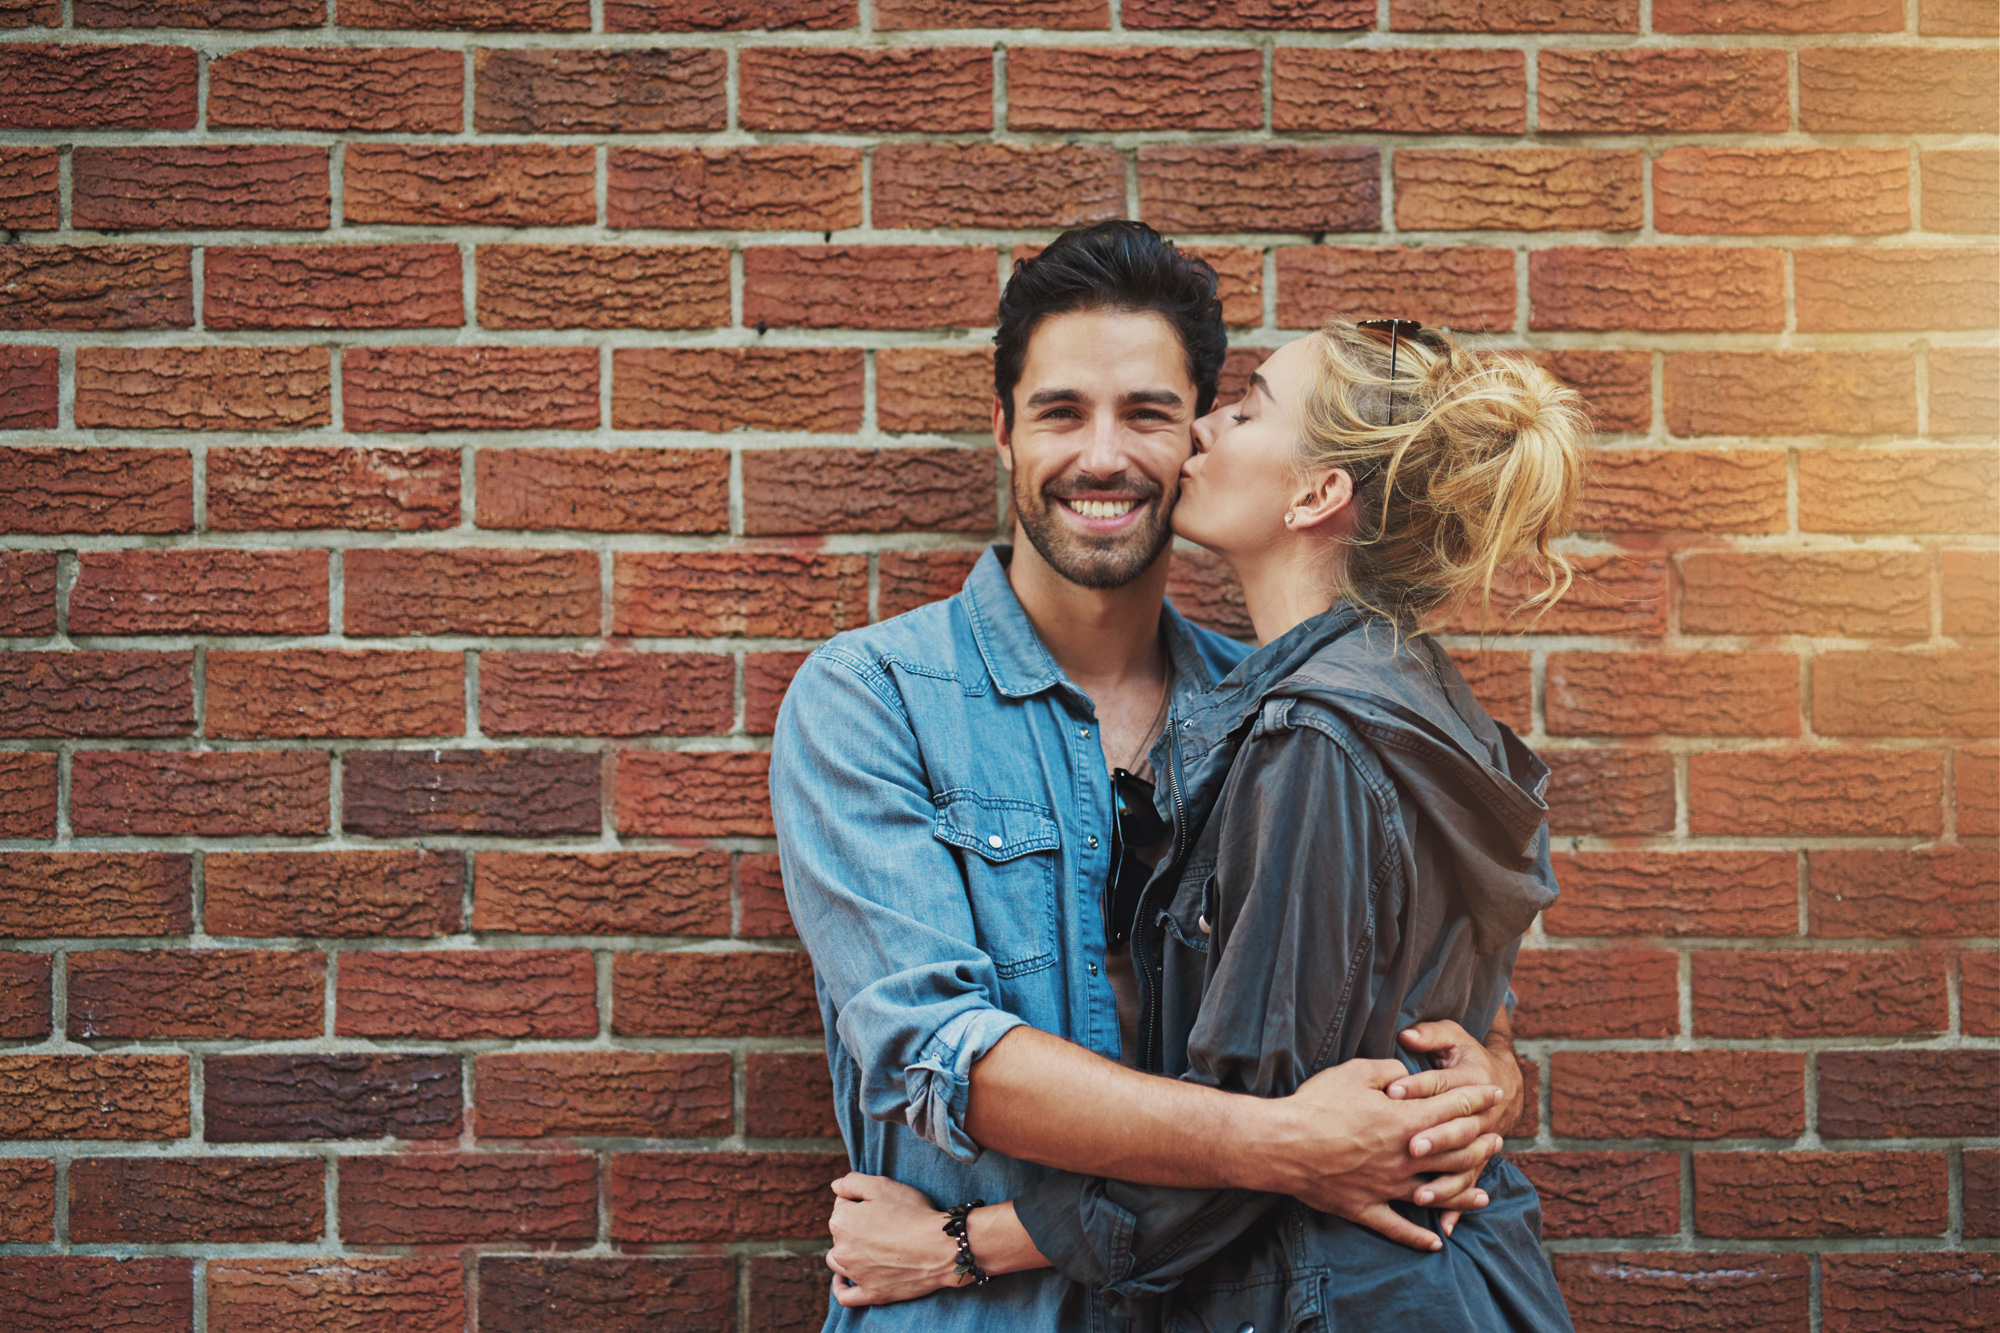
(1104, 452)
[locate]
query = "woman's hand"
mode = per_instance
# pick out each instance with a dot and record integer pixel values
(888, 1243)
(1461, 1062)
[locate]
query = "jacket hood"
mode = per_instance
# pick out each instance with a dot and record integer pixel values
(1470, 775)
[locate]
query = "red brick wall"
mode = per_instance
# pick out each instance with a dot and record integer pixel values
(434, 433)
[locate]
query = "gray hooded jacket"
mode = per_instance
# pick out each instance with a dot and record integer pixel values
(1358, 847)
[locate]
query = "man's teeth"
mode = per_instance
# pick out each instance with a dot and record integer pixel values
(1103, 508)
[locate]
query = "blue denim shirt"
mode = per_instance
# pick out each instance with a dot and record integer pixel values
(944, 821)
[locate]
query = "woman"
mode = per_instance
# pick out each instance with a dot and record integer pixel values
(1357, 847)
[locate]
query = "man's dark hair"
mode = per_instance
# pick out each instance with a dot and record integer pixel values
(1112, 266)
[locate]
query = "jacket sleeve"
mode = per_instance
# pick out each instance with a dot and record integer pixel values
(1299, 854)
(879, 901)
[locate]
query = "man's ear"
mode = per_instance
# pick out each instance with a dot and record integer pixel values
(1325, 499)
(1001, 436)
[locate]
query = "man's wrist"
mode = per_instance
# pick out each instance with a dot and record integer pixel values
(1258, 1147)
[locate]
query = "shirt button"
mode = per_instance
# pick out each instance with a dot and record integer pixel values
(1093, 968)
(993, 840)
(1083, 732)
(1092, 840)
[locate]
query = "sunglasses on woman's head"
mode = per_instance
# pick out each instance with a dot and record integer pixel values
(1394, 330)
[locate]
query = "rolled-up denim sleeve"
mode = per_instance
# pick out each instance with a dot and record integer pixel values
(879, 900)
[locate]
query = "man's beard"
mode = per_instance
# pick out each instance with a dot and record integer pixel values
(1110, 560)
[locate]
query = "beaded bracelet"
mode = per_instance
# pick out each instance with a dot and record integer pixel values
(954, 1226)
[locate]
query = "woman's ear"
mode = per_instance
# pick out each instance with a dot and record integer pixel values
(1325, 500)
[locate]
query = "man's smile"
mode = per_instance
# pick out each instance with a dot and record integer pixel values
(1102, 509)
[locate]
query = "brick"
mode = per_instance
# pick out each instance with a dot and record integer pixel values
(869, 287)
(604, 490)
(27, 1202)
(1677, 1094)
(757, 593)
(934, 389)
(766, 677)
(68, 693)
(94, 1096)
(1778, 17)
(270, 187)
(469, 388)
(27, 794)
(1610, 792)
(1519, 189)
(332, 287)
(1885, 894)
(1617, 386)
(1513, 16)
(788, 1096)
(1842, 593)
(392, 89)
(436, 1198)
(1683, 694)
(1957, 18)
(199, 592)
(203, 388)
(720, 1196)
(1747, 994)
(1908, 1293)
(1781, 191)
(735, 994)
(1621, 1290)
(300, 1098)
(28, 385)
(28, 178)
(819, 491)
(1658, 289)
(602, 287)
(758, 187)
(1897, 90)
(1597, 994)
(1976, 778)
(1605, 1193)
(340, 894)
(24, 1009)
(31, 14)
(211, 1200)
(1504, 684)
(607, 693)
(1462, 286)
(896, 89)
(203, 994)
(1679, 91)
(44, 86)
(1961, 190)
(1971, 593)
(1856, 291)
(1982, 1193)
(473, 15)
(643, 1094)
(1775, 1196)
(459, 994)
(225, 793)
(240, 15)
(608, 1295)
(324, 692)
(523, 793)
(1239, 272)
(1979, 994)
(1307, 15)
(1965, 391)
(96, 287)
(653, 91)
(725, 388)
(1928, 693)
(1790, 393)
(1200, 586)
(1611, 594)
(27, 593)
(910, 579)
(503, 185)
(760, 888)
(1830, 792)
(1898, 490)
(1466, 91)
(1676, 894)
(1685, 490)
(788, 1291)
(1260, 187)
(94, 893)
(351, 1295)
(682, 794)
(377, 489)
(1885, 1094)
(996, 185)
(466, 591)
(96, 490)
(59, 1293)
(702, 16)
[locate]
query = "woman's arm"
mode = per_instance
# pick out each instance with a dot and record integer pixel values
(889, 1242)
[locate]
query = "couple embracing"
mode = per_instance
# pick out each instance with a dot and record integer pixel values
(1165, 982)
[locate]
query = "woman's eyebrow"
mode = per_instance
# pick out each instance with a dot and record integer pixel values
(1262, 385)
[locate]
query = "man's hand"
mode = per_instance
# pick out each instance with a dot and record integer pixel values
(1342, 1145)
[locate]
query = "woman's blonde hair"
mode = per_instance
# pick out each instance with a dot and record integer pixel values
(1464, 464)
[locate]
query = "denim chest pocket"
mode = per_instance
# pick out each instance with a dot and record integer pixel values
(1009, 850)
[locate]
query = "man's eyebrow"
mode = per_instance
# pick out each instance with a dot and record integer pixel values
(1043, 397)
(1162, 397)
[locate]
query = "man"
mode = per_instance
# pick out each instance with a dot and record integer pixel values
(944, 795)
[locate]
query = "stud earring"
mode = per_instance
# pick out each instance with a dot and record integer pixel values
(1291, 517)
